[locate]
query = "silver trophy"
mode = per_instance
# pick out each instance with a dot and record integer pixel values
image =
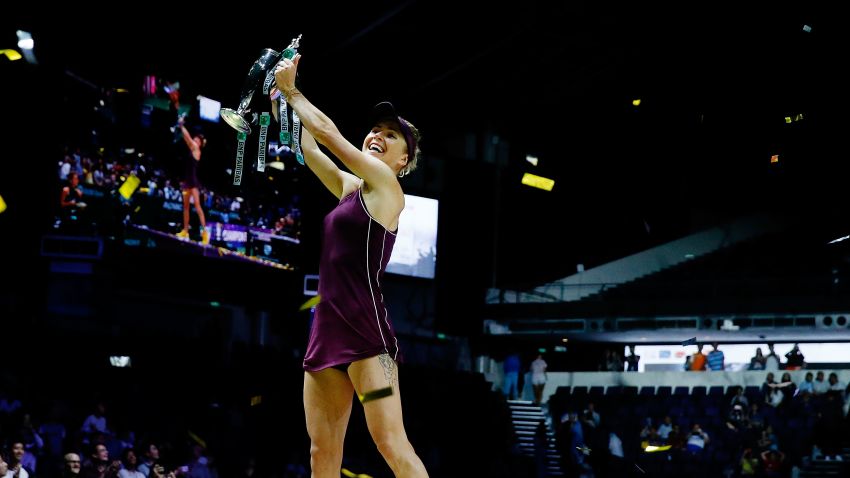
(256, 75)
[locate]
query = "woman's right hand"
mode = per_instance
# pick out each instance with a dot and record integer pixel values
(284, 74)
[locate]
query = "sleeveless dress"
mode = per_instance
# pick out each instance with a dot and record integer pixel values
(351, 321)
(190, 171)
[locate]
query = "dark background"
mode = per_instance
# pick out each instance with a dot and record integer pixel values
(486, 86)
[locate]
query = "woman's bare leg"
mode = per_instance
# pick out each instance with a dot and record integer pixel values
(200, 210)
(327, 406)
(383, 415)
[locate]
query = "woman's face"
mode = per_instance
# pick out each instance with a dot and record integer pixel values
(386, 143)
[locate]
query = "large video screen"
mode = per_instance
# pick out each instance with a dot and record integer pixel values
(209, 109)
(415, 250)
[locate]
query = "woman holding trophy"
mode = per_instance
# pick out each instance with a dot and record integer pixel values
(352, 346)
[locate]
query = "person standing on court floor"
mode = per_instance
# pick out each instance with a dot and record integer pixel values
(352, 346)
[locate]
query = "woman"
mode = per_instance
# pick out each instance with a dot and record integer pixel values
(191, 184)
(757, 362)
(538, 378)
(130, 462)
(352, 346)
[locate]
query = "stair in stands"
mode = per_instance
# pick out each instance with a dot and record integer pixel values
(525, 418)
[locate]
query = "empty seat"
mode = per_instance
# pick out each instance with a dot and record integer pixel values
(614, 391)
(716, 391)
(563, 390)
(647, 391)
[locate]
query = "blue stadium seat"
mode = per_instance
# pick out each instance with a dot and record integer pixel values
(647, 391)
(716, 391)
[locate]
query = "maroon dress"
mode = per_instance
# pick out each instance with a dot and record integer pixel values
(351, 322)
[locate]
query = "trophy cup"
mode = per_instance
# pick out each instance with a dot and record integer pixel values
(259, 71)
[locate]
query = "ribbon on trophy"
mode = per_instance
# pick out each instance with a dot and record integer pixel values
(240, 154)
(262, 70)
(265, 120)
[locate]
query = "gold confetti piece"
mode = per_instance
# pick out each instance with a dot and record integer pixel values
(314, 301)
(196, 438)
(129, 187)
(351, 474)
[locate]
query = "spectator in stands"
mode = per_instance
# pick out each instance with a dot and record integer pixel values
(773, 462)
(98, 464)
(16, 457)
(4, 468)
(821, 386)
(807, 385)
(96, 422)
(615, 462)
(750, 465)
(737, 419)
(53, 432)
(676, 439)
(71, 198)
(787, 387)
(835, 385)
(511, 381)
(828, 431)
(33, 444)
(632, 360)
(201, 465)
(794, 359)
(150, 458)
(72, 466)
(191, 185)
(772, 362)
(756, 416)
(65, 168)
(590, 417)
(9, 404)
(698, 360)
(665, 428)
(613, 362)
(846, 407)
(97, 174)
(768, 384)
(538, 378)
(129, 464)
(740, 398)
(768, 439)
(716, 359)
(649, 435)
(774, 397)
(697, 440)
(757, 362)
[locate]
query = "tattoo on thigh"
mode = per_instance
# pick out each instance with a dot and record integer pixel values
(390, 369)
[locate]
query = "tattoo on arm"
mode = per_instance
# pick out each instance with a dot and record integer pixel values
(390, 369)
